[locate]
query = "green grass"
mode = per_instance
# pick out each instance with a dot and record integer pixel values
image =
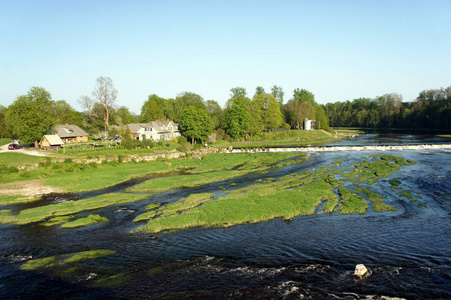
(351, 203)
(373, 197)
(18, 159)
(186, 181)
(5, 141)
(382, 207)
(394, 182)
(252, 205)
(83, 222)
(64, 260)
(17, 199)
(41, 213)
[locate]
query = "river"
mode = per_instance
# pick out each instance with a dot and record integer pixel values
(408, 252)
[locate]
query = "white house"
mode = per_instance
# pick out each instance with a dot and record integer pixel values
(159, 131)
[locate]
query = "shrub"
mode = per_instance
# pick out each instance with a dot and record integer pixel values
(182, 140)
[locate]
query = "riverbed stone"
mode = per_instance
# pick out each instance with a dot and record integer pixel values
(360, 270)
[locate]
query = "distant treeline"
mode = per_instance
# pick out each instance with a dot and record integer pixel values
(430, 110)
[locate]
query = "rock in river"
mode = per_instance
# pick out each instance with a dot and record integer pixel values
(360, 270)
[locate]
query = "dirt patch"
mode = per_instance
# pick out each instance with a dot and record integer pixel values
(29, 188)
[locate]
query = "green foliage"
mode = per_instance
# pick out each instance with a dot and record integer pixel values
(31, 116)
(196, 124)
(238, 118)
(269, 111)
(430, 110)
(238, 93)
(150, 111)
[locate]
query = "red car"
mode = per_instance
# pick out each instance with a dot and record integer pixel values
(14, 146)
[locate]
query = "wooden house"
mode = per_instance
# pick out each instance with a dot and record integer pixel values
(51, 142)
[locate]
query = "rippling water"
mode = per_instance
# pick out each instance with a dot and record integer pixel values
(408, 252)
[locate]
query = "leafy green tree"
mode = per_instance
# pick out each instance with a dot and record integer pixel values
(269, 111)
(216, 113)
(277, 92)
(3, 128)
(238, 92)
(184, 100)
(259, 91)
(162, 103)
(125, 116)
(320, 116)
(196, 124)
(150, 111)
(31, 116)
(65, 113)
(237, 119)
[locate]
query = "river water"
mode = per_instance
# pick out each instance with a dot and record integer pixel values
(408, 252)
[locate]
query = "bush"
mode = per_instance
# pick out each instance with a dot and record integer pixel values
(8, 170)
(182, 140)
(184, 147)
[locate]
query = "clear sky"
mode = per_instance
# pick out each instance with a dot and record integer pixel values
(339, 50)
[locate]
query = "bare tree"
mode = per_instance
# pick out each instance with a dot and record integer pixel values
(105, 94)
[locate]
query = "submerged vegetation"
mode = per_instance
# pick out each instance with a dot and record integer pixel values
(64, 260)
(341, 187)
(292, 195)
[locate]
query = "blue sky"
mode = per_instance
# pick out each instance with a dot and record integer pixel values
(338, 50)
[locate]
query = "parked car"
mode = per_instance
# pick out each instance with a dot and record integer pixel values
(14, 146)
(117, 139)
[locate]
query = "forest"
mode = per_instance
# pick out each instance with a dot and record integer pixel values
(33, 115)
(430, 110)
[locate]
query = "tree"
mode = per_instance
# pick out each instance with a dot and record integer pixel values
(31, 116)
(184, 100)
(216, 113)
(277, 92)
(237, 119)
(162, 103)
(196, 124)
(320, 116)
(105, 94)
(150, 111)
(238, 92)
(126, 117)
(3, 128)
(65, 113)
(269, 111)
(259, 91)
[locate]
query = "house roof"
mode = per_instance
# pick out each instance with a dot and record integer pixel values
(162, 126)
(65, 131)
(134, 127)
(53, 139)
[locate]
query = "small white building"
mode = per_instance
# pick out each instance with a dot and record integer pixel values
(309, 124)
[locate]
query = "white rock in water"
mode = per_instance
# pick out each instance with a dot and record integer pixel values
(360, 270)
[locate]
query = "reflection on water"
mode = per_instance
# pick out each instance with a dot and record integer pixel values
(408, 252)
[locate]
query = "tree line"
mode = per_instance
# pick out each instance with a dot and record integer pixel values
(430, 110)
(33, 115)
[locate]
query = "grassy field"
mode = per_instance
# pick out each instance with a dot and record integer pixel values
(5, 141)
(339, 187)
